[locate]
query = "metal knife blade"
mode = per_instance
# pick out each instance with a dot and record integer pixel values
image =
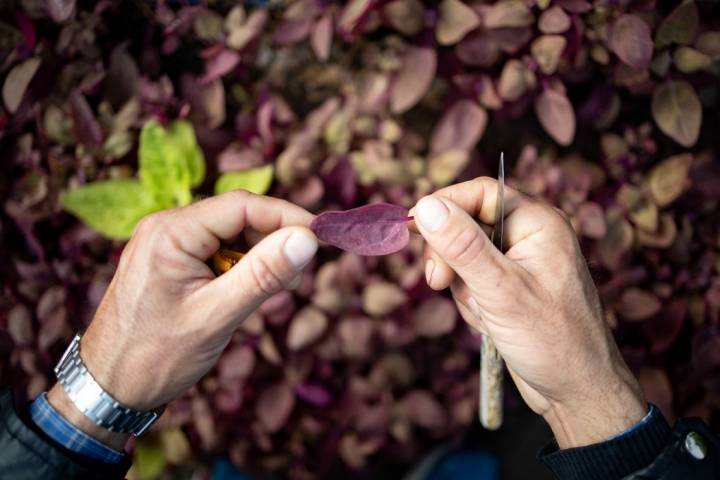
(491, 364)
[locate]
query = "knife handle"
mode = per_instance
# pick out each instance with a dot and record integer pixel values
(491, 385)
(224, 259)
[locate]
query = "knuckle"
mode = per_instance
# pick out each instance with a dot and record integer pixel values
(147, 224)
(465, 246)
(240, 196)
(264, 278)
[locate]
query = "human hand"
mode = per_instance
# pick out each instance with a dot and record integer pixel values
(165, 318)
(538, 304)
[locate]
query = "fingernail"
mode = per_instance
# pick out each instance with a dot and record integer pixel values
(431, 213)
(429, 267)
(299, 248)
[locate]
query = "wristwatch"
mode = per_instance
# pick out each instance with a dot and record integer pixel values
(94, 402)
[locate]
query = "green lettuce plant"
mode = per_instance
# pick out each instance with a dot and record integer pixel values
(170, 165)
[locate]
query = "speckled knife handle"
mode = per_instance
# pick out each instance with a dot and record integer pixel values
(491, 385)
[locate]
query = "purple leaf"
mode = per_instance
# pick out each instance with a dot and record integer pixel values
(554, 20)
(435, 317)
(308, 325)
(423, 409)
(321, 37)
(292, 31)
(461, 127)
(706, 349)
(218, 66)
(121, 81)
(630, 39)
(353, 14)
(27, 28)
(274, 406)
(341, 183)
(636, 304)
(662, 330)
(378, 229)
(236, 364)
(556, 115)
(242, 35)
(60, 10)
(574, 6)
(414, 78)
(86, 127)
(313, 394)
(477, 50)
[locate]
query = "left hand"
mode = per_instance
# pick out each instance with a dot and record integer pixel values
(165, 319)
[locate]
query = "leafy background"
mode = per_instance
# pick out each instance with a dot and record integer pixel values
(608, 109)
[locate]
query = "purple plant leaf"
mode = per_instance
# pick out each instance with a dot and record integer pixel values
(86, 127)
(219, 65)
(630, 39)
(236, 364)
(313, 394)
(121, 80)
(60, 10)
(556, 115)
(378, 229)
(664, 329)
(27, 28)
(353, 14)
(321, 37)
(341, 183)
(461, 127)
(574, 6)
(292, 31)
(274, 406)
(413, 80)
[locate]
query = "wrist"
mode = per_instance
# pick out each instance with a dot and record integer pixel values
(598, 412)
(65, 407)
(120, 371)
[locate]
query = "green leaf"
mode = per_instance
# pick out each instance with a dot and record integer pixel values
(255, 180)
(163, 168)
(149, 460)
(111, 207)
(181, 133)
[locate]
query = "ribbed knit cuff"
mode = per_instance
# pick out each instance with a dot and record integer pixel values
(612, 459)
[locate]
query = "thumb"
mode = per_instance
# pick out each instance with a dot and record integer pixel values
(461, 243)
(267, 268)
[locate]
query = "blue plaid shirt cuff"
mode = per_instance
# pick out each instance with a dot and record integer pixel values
(69, 436)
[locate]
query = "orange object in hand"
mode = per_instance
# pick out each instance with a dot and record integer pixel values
(224, 259)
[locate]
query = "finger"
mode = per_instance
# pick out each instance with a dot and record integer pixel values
(467, 305)
(197, 228)
(270, 266)
(438, 274)
(478, 197)
(460, 242)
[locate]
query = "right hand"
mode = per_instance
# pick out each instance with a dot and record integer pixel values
(538, 304)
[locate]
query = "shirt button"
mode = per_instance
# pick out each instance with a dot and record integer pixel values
(695, 445)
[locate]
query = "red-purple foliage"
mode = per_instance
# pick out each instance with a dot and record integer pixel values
(609, 110)
(377, 229)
